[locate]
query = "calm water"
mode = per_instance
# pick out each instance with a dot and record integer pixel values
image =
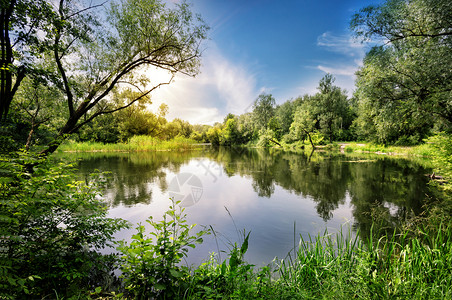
(266, 192)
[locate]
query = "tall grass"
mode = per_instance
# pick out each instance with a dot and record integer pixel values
(136, 143)
(414, 265)
(399, 266)
(419, 150)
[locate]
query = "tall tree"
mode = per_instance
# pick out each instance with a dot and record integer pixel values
(327, 112)
(332, 107)
(409, 71)
(263, 110)
(20, 22)
(99, 49)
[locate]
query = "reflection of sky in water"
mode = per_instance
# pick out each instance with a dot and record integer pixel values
(270, 220)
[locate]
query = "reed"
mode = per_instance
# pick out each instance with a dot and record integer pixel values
(134, 144)
(413, 264)
(391, 267)
(424, 150)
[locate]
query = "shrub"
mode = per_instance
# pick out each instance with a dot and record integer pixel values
(51, 229)
(150, 268)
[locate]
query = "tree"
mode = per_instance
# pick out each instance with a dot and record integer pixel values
(93, 57)
(303, 124)
(327, 112)
(410, 73)
(397, 20)
(263, 110)
(230, 134)
(37, 104)
(285, 114)
(21, 20)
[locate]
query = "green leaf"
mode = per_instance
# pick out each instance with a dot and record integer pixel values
(176, 273)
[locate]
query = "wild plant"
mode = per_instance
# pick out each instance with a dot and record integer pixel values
(52, 227)
(151, 263)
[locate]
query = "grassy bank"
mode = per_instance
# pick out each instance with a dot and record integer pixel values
(419, 150)
(337, 267)
(424, 150)
(136, 143)
(414, 263)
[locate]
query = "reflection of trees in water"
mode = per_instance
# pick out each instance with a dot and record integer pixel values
(323, 180)
(392, 189)
(131, 176)
(388, 192)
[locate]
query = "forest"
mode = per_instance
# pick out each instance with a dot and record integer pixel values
(73, 73)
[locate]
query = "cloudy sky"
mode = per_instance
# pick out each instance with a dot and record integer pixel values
(281, 47)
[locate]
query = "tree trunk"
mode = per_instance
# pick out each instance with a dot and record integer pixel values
(7, 88)
(310, 139)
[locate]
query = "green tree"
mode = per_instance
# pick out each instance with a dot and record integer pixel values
(263, 110)
(332, 108)
(21, 20)
(91, 56)
(246, 128)
(230, 134)
(304, 124)
(35, 102)
(214, 135)
(327, 112)
(408, 78)
(284, 113)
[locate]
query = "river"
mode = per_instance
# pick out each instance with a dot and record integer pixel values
(275, 195)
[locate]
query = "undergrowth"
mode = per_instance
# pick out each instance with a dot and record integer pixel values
(413, 264)
(136, 143)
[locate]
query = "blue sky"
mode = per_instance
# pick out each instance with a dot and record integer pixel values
(279, 47)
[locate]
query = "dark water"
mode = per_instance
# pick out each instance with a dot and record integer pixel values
(271, 193)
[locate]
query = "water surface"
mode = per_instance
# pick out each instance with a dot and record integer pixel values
(274, 194)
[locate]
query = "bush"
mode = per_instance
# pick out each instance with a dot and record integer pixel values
(150, 268)
(51, 229)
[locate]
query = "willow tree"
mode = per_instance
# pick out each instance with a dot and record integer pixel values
(95, 51)
(406, 78)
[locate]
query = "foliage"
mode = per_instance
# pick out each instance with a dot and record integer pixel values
(150, 268)
(230, 134)
(263, 110)
(403, 88)
(328, 112)
(214, 135)
(136, 143)
(267, 138)
(284, 114)
(94, 52)
(234, 278)
(335, 266)
(51, 227)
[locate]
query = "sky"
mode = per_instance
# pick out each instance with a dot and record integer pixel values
(281, 47)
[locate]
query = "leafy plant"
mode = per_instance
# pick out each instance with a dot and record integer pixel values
(51, 228)
(150, 264)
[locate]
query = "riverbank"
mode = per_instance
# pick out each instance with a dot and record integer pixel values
(410, 263)
(134, 144)
(423, 150)
(146, 143)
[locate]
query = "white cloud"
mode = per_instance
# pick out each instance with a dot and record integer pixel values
(343, 44)
(351, 57)
(222, 87)
(344, 70)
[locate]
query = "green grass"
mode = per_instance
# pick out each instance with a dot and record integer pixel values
(419, 150)
(136, 143)
(414, 265)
